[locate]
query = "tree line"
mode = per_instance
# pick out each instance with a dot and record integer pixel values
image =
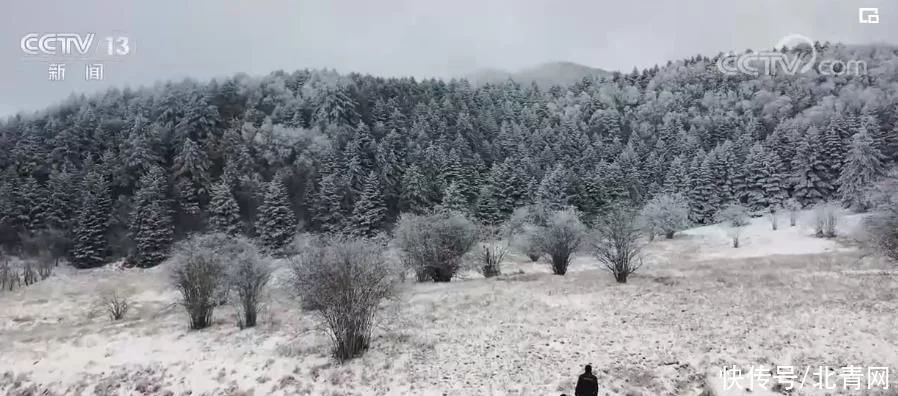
(128, 172)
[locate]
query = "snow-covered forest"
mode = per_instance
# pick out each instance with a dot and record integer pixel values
(126, 173)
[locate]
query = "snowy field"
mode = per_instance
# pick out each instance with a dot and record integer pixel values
(783, 298)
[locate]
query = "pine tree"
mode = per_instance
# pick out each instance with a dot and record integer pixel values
(808, 179)
(328, 214)
(276, 225)
(62, 200)
(370, 213)
(890, 144)
(554, 190)
(415, 195)
(512, 181)
(862, 167)
(488, 206)
(90, 245)
(702, 202)
(454, 200)
(757, 176)
(32, 197)
(224, 213)
(832, 155)
(191, 171)
(677, 179)
(151, 228)
(775, 187)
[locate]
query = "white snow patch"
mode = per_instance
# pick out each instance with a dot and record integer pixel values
(785, 297)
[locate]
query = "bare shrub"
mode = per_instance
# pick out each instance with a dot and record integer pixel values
(199, 274)
(736, 217)
(347, 278)
(521, 230)
(617, 245)
(826, 217)
(524, 242)
(881, 225)
(29, 274)
(491, 257)
(45, 264)
(115, 303)
(792, 207)
(667, 214)
(248, 274)
(433, 245)
(51, 242)
(560, 238)
(9, 277)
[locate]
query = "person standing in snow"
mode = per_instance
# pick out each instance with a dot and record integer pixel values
(587, 384)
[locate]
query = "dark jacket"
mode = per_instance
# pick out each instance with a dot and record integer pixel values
(587, 385)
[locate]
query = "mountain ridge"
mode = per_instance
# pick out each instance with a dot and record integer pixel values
(546, 74)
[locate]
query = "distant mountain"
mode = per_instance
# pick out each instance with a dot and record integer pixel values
(547, 74)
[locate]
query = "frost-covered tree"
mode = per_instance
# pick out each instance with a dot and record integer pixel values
(666, 214)
(151, 225)
(224, 213)
(415, 196)
(757, 177)
(329, 215)
(62, 200)
(735, 217)
(703, 202)
(559, 238)
(810, 172)
(276, 225)
(454, 200)
(555, 189)
(861, 169)
(370, 213)
(90, 245)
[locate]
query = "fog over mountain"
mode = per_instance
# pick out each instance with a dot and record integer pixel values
(547, 74)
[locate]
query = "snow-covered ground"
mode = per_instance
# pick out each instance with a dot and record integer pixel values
(783, 298)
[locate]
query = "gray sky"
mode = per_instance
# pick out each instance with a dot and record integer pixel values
(172, 39)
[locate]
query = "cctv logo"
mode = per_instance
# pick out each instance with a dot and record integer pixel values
(56, 43)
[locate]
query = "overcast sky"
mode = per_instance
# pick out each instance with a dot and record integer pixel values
(172, 39)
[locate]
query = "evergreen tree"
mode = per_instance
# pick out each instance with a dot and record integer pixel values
(775, 187)
(757, 177)
(328, 214)
(34, 204)
(90, 244)
(862, 168)
(454, 200)
(488, 206)
(702, 201)
(555, 189)
(808, 180)
(415, 195)
(832, 155)
(151, 230)
(62, 200)
(191, 171)
(224, 213)
(677, 179)
(370, 213)
(276, 225)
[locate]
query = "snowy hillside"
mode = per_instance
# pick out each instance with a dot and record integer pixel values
(784, 297)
